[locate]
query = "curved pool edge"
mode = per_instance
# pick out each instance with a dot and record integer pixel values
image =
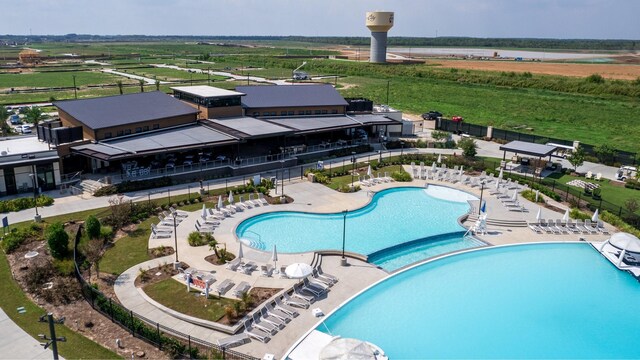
(409, 267)
(461, 219)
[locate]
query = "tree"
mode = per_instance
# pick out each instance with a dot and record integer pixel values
(577, 157)
(92, 226)
(440, 136)
(120, 212)
(141, 82)
(213, 243)
(34, 115)
(468, 146)
(93, 254)
(632, 205)
(157, 85)
(4, 114)
(605, 153)
(58, 240)
(119, 84)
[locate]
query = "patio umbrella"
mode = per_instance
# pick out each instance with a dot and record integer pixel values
(594, 218)
(498, 184)
(565, 218)
(240, 252)
(220, 203)
(369, 171)
(461, 170)
(501, 174)
(231, 197)
(204, 211)
(346, 348)
(537, 195)
(539, 214)
(298, 270)
(274, 257)
(515, 195)
(433, 167)
(439, 158)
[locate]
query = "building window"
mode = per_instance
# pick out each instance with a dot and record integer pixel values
(107, 135)
(318, 112)
(146, 128)
(334, 111)
(307, 112)
(256, 113)
(266, 113)
(291, 113)
(127, 132)
(156, 126)
(324, 112)
(283, 113)
(138, 130)
(273, 113)
(301, 112)
(120, 132)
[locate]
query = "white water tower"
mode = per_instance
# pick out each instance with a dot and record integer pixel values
(379, 22)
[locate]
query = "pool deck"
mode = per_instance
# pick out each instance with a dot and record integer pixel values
(312, 197)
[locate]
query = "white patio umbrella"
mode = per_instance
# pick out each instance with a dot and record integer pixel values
(537, 195)
(594, 218)
(240, 252)
(514, 197)
(461, 170)
(369, 171)
(204, 211)
(498, 184)
(433, 167)
(439, 158)
(539, 214)
(347, 349)
(220, 203)
(274, 257)
(501, 174)
(231, 197)
(565, 218)
(298, 270)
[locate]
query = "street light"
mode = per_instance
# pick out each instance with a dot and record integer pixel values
(380, 153)
(481, 192)
(34, 180)
(353, 167)
(175, 236)
(52, 332)
(282, 180)
(343, 260)
(401, 148)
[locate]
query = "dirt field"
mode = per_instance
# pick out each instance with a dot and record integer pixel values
(611, 71)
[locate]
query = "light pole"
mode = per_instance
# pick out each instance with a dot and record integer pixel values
(481, 192)
(401, 149)
(282, 179)
(353, 167)
(53, 338)
(34, 179)
(75, 89)
(380, 153)
(343, 260)
(175, 236)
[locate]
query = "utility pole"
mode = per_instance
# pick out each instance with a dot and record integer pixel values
(52, 332)
(75, 89)
(208, 76)
(388, 83)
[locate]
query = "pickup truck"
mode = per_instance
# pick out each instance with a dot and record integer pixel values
(431, 115)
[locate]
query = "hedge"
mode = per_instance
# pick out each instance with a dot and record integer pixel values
(24, 203)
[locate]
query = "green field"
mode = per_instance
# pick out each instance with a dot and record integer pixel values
(172, 74)
(56, 79)
(611, 193)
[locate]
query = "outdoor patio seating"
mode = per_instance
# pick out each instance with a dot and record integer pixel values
(242, 288)
(224, 286)
(256, 333)
(233, 341)
(266, 270)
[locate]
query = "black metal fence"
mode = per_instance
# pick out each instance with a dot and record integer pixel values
(619, 156)
(178, 344)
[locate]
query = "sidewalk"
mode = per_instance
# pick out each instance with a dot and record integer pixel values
(15, 343)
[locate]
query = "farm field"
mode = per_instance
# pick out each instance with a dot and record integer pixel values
(609, 71)
(56, 79)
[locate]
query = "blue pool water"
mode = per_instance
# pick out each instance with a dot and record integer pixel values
(529, 301)
(393, 216)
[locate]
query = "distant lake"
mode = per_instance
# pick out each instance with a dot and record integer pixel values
(489, 53)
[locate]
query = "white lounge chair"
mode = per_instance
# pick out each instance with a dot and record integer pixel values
(266, 327)
(266, 270)
(297, 302)
(589, 175)
(286, 309)
(242, 288)
(601, 228)
(179, 213)
(262, 200)
(157, 235)
(283, 273)
(160, 230)
(328, 276)
(224, 286)
(535, 228)
(253, 201)
(255, 333)
(298, 292)
(248, 267)
(233, 341)
(599, 177)
(265, 316)
(364, 181)
(271, 310)
(233, 264)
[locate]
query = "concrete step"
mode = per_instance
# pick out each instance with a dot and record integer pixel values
(90, 186)
(500, 222)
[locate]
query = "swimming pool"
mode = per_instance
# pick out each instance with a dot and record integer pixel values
(527, 301)
(394, 216)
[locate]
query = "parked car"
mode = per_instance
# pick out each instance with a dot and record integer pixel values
(24, 129)
(457, 118)
(15, 119)
(431, 115)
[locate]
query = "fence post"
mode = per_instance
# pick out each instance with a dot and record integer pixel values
(111, 309)
(132, 327)
(189, 338)
(620, 211)
(159, 338)
(554, 185)
(566, 197)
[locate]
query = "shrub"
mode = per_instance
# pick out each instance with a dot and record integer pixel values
(64, 267)
(17, 237)
(619, 223)
(58, 240)
(92, 227)
(401, 176)
(106, 233)
(24, 203)
(38, 275)
(196, 239)
(531, 196)
(106, 190)
(595, 79)
(577, 214)
(468, 147)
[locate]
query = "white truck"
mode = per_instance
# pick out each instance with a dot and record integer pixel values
(626, 172)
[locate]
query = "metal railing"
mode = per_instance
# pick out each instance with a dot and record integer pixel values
(181, 345)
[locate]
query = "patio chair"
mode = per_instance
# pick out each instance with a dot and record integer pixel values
(165, 222)
(561, 227)
(271, 311)
(297, 292)
(535, 228)
(589, 175)
(233, 264)
(255, 333)
(157, 235)
(267, 327)
(286, 309)
(179, 213)
(248, 267)
(599, 177)
(387, 178)
(315, 285)
(233, 341)
(592, 229)
(160, 230)
(322, 280)
(224, 286)
(364, 181)
(283, 273)
(297, 302)
(253, 201)
(242, 204)
(265, 316)
(266, 270)
(601, 228)
(204, 230)
(242, 288)
(262, 200)
(328, 276)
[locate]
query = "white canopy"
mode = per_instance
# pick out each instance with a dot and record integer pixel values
(240, 252)
(439, 158)
(231, 197)
(433, 166)
(594, 218)
(539, 214)
(204, 211)
(346, 348)
(298, 270)
(514, 197)
(565, 218)
(501, 174)
(220, 203)
(625, 241)
(369, 171)
(274, 257)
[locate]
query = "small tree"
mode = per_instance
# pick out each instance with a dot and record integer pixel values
(632, 205)
(4, 114)
(34, 115)
(92, 226)
(93, 254)
(468, 146)
(577, 157)
(605, 153)
(213, 243)
(440, 136)
(141, 82)
(58, 240)
(119, 84)
(120, 212)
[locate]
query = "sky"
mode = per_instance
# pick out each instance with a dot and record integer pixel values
(593, 19)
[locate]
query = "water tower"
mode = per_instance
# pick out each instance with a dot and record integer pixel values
(379, 22)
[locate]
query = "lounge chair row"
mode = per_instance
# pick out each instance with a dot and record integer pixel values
(374, 180)
(571, 226)
(274, 316)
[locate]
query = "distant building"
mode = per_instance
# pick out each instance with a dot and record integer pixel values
(29, 57)
(22, 156)
(290, 100)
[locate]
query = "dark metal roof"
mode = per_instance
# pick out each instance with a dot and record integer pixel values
(175, 139)
(374, 119)
(312, 124)
(263, 96)
(126, 109)
(521, 147)
(249, 127)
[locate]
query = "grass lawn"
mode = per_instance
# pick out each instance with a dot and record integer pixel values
(54, 79)
(129, 250)
(76, 347)
(611, 193)
(172, 74)
(172, 294)
(342, 181)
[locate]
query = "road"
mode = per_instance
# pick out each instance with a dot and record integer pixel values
(147, 80)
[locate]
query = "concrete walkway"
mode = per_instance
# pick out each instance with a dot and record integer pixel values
(15, 343)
